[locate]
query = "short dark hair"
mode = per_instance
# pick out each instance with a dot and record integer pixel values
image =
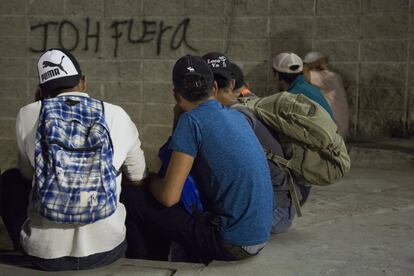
(222, 82)
(288, 77)
(194, 94)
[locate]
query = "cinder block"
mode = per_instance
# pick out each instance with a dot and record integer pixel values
(207, 27)
(31, 88)
(382, 75)
(254, 73)
(348, 72)
(411, 75)
(150, 51)
(338, 51)
(7, 128)
(289, 7)
(32, 67)
(351, 96)
(204, 46)
(10, 108)
(151, 158)
(384, 26)
(129, 92)
(166, 43)
(123, 70)
(263, 91)
(247, 27)
(124, 49)
(382, 98)
(85, 38)
(410, 122)
(13, 46)
(13, 68)
(93, 69)
(8, 154)
(381, 123)
(337, 27)
(134, 111)
(204, 7)
(13, 26)
(250, 50)
(46, 7)
(389, 50)
(247, 8)
(94, 89)
(87, 8)
(163, 7)
(12, 89)
(158, 93)
(12, 7)
(155, 136)
(159, 114)
(385, 6)
(297, 46)
(36, 42)
(158, 70)
(123, 8)
(340, 7)
(292, 27)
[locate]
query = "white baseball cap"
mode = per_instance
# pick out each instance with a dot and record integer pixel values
(288, 63)
(58, 69)
(313, 56)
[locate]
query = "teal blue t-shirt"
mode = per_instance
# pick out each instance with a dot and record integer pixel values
(301, 86)
(231, 171)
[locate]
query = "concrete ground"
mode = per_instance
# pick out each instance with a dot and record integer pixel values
(362, 225)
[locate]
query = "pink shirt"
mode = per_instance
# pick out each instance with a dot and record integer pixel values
(332, 88)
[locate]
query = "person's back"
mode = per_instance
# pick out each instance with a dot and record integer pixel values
(288, 68)
(284, 212)
(330, 83)
(234, 188)
(54, 242)
(209, 139)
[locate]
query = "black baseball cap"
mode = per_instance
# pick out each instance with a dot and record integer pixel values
(58, 69)
(188, 67)
(219, 64)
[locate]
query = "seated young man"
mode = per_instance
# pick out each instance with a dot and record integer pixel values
(215, 143)
(227, 75)
(47, 211)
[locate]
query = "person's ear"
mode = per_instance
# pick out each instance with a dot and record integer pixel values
(215, 89)
(232, 84)
(82, 84)
(177, 97)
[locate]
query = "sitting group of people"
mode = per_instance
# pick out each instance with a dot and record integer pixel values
(82, 196)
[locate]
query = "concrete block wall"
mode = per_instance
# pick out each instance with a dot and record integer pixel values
(127, 49)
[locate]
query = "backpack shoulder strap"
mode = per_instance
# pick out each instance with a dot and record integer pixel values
(282, 163)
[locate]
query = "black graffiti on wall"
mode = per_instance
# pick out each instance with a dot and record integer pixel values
(70, 36)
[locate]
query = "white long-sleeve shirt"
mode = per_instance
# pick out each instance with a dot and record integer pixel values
(43, 238)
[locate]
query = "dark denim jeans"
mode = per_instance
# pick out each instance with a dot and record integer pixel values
(151, 227)
(14, 200)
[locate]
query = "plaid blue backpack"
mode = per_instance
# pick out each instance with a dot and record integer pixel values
(75, 181)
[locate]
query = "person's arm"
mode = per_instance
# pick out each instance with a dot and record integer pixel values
(168, 190)
(134, 167)
(23, 160)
